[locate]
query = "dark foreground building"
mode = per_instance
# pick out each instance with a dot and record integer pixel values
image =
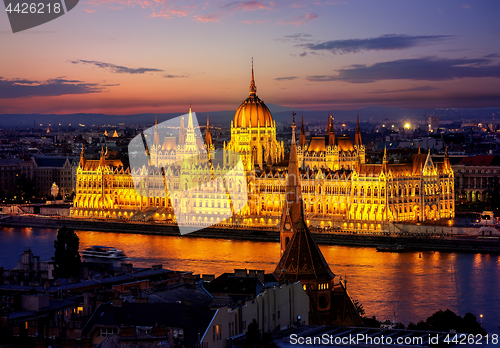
(301, 259)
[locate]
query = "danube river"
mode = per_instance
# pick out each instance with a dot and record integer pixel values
(412, 285)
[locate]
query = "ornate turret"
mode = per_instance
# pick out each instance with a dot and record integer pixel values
(385, 161)
(82, 158)
(302, 136)
(156, 135)
(208, 136)
(357, 137)
(102, 159)
(330, 131)
(446, 159)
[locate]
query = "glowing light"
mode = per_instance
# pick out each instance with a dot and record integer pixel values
(407, 126)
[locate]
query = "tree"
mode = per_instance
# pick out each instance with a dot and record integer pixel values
(359, 308)
(253, 338)
(66, 255)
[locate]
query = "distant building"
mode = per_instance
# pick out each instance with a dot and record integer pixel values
(10, 170)
(49, 170)
(473, 175)
(29, 270)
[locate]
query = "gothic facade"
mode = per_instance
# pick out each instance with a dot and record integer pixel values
(339, 189)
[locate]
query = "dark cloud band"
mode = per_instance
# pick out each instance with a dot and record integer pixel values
(427, 68)
(384, 42)
(116, 68)
(18, 88)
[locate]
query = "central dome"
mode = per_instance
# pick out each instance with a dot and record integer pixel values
(253, 112)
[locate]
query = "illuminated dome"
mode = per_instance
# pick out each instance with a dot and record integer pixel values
(253, 112)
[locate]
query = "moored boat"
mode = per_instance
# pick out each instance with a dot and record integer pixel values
(103, 252)
(394, 248)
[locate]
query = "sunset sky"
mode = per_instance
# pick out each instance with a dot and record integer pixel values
(137, 56)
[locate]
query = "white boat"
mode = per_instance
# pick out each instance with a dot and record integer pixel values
(103, 252)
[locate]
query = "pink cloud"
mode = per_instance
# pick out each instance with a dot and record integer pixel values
(251, 5)
(300, 20)
(213, 17)
(254, 22)
(158, 8)
(89, 11)
(169, 13)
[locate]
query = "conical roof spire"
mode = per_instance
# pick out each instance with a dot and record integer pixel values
(82, 157)
(293, 193)
(156, 134)
(253, 88)
(357, 136)
(302, 135)
(208, 135)
(302, 260)
(190, 119)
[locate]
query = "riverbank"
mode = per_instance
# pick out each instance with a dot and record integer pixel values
(414, 242)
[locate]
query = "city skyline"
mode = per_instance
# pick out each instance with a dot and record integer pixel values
(313, 56)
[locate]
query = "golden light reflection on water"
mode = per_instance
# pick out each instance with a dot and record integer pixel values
(412, 284)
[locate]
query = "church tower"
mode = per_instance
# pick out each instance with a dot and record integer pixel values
(302, 260)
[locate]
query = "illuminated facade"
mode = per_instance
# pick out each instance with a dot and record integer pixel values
(253, 133)
(339, 189)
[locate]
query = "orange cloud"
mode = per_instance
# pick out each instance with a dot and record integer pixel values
(89, 11)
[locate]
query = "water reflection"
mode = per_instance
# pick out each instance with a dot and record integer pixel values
(413, 285)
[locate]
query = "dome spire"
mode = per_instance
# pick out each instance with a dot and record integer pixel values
(253, 88)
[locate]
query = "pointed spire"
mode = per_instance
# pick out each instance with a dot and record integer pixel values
(182, 132)
(82, 157)
(293, 193)
(253, 88)
(357, 137)
(419, 152)
(302, 135)
(331, 133)
(385, 155)
(446, 158)
(190, 119)
(208, 136)
(156, 139)
(101, 160)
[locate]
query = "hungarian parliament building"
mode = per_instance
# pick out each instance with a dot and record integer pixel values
(339, 189)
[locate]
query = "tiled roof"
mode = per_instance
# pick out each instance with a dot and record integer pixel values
(54, 162)
(479, 160)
